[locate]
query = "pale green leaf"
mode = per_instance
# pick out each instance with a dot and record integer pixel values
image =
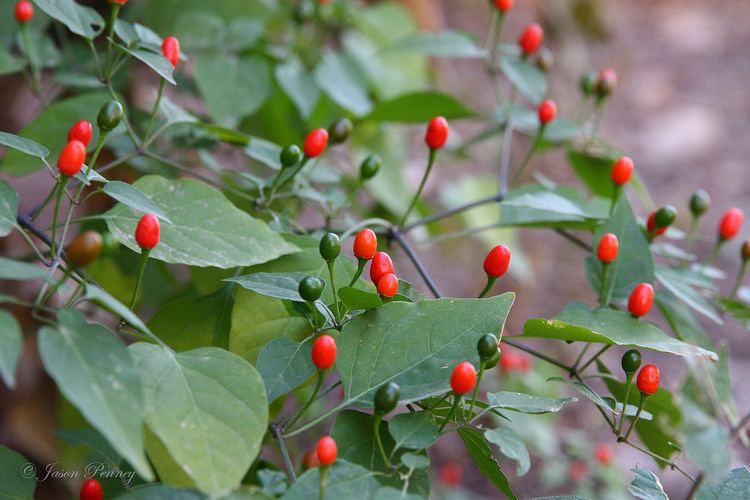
(10, 347)
(284, 365)
(510, 445)
(131, 196)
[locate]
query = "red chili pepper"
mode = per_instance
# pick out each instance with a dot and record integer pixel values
(170, 47)
(326, 450)
(504, 5)
(323, 352)
(437, 133)
(608, 247)
(731, 223)
(603, 454)
(388, 285)
(641, 299)
(547, 111)
(120, 2)
(463, 378)
(648, 379)
(451, 474)
(81, 131)
(497, 261)
(651, 223)
(316, 142)
(365, 244)
(71, 158)
(147, 231)
(380, 266)
(622, 170)
(24, 11)
(91, 490)
(531, 38)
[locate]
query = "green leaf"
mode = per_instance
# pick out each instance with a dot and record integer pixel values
(355, 299)
(416, 430)
(161, 492)
(586, 391)
(526, 77)
(278, 285)
(737, 309)
(415, 461)
(94, 371)
(232, 86)
(8, 208)
(539, 206)
(678, 281)
(131, 196)
(646, 485)
(208, 407)
(608, 326)
(510, 445)
(447, 43)
(525, 403)
(594, 170)
(45, 129)
(682, 321)
(390, 493)
(481, 454)
(345, 480)
(79, 19)
(299, 85)
(9, 63)
(707, 443)
(415, 345)
(337, 76)
(18, 270)
(634, 263)
(100, 297)
(93, 440)
(284, 365)
(17, 480)
(419, 107)
(10, 347)
(206, 229)
(156, 62)
(90, 176)
(264, 151)
(23, 145)
(736, 484)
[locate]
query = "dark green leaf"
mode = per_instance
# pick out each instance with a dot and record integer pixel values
(131, 196)
(23, 145)
(284, 365)
(79, 19)
(525, 403)
(481, 454)
(100, 297)
(594, 171)
(10, 347)
(511, 446)
(10, 63)
(17, 476)
(415, 430)
(161, 492)
(356, 299)
(278, 285)
(526, 77)
(419, 107)
(646, 485)
(447, 43)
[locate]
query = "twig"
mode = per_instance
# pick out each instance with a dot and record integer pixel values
(396, 235)
(278, 432)
(574, 239)
(495, 198)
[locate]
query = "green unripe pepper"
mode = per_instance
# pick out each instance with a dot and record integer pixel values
(109, 116)
(330, 247)
(386, 398)
(310, 288)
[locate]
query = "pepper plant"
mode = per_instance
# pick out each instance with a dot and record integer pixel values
(216, 332)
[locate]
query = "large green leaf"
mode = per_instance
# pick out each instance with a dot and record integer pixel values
(526, 77)
(284, 365)
(79, 19)
(736, 484)
(510, 445)
(278, 285)
(45, 129)
(103, 299)
(8, 208)
(156, 62)
(337, 75)
(94, 371)
(419, 107)
(539, 206)
(678, 281)
(17, 476)
(416, 430)
(10, 347)
(577, 322)
(646, 485)
(299, 85)
(594, 170)
(526, 403)
(206, 229)
(415, 345)
(208, 407)
(131, 196)
(232, 86)
(633, 264)
(481, 454)
(18, 270)
(447, 43)
(345, 480)
(23, 145)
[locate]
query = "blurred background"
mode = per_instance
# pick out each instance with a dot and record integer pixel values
(680, 112)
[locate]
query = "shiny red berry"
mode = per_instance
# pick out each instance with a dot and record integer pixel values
(326, 450)
(607, 249)
(147, 231)
(531, 38)
(731, 223)
(380, 266)
(497, 261)
(451, 474)
(651, 225)
(120, 2)
(463, 378)
(24, 11)
(641, 299)
(547, 111)
(388, 285)
(648, 379)
(437, 133)
(622, 170)
(80, 131)
(316, 142)
(504, 5)
(170, 47)
(365, 244)
(91, 490)
(72, 157)
(324, 352)
(603, 454)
